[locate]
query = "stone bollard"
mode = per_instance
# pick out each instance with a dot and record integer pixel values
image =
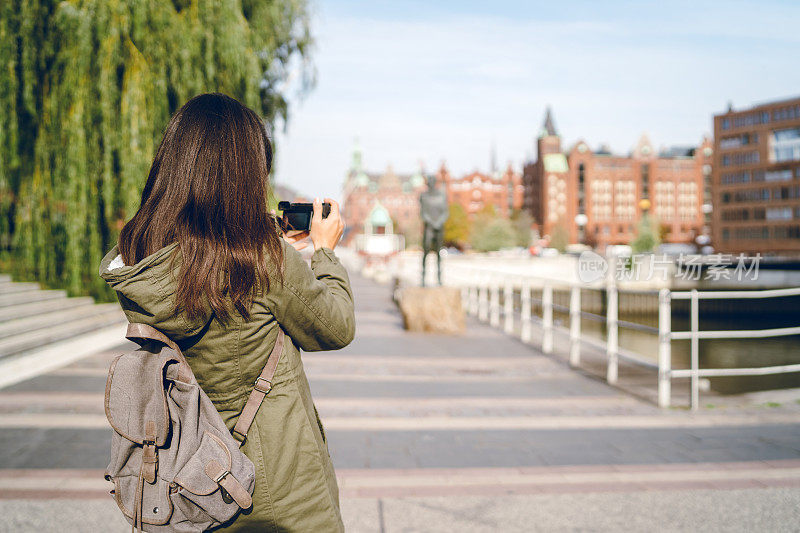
(432, 309)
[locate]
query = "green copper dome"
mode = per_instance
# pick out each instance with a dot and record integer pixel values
(379, 216)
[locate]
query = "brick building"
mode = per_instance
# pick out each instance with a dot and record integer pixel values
(365, 191)
(597, 198)
(476, 189)
(756, 180)
(399, 194)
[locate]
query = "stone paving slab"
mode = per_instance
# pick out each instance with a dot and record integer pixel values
(739, 510)
(88, 448)
(343, 388)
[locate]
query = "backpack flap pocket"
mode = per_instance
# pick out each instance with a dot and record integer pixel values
(208, 484)
(135, 397)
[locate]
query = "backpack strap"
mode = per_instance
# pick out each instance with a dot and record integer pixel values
(262, 387)
(138, 332)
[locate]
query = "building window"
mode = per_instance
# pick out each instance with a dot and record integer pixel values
(726, 123)
(646, 180)
(736, 177)
(778, 175)
(786, 145)
(779, 213)
(742, 158)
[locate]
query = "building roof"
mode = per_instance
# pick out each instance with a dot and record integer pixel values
(677, 151)
(555, 163)
(379, 216)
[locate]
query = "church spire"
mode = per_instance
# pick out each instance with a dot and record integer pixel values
(548, 128)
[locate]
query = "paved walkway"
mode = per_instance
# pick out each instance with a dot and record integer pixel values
(433, 433)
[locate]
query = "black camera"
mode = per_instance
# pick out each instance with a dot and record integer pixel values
(297, 216)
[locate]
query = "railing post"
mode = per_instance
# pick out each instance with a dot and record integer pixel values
(473, 295)
(612, 345)
(695, 350)
(575, 326)
(483, 300)
(494, 303)
(508, 306)
(664, 348)
(547, 318)
(525, 325)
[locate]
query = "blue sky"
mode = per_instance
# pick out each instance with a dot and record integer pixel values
(444, 80)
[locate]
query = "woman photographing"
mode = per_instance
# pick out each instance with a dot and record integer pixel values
(203, 261)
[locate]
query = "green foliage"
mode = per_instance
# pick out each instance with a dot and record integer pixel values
(560, 238)
(457, 227)
(491, 232)
(86, 88)
(522, 222)
(647, 235)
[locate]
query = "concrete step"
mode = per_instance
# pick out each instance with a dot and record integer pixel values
(49, 318)
(8, 287)
(23, 310)
(23, 342)
(17, 298)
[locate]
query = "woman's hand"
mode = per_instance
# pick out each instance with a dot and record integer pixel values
(326, 232)
(293, 237)
(296, 239)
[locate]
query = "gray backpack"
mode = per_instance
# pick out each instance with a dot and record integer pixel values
(174, 465)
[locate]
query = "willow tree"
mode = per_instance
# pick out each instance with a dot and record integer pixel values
(86, 88)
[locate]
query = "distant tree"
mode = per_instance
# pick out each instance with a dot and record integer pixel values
(560, 238)
(457, 228)
(647, 235)
(491, 232)
(497, 234)
(522, 222)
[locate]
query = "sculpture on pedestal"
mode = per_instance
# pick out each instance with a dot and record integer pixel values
(434, 211)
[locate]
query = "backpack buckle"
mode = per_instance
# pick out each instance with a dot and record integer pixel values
(221, 476)
(267, 388)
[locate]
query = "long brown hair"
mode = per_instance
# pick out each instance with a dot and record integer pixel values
(208, 189)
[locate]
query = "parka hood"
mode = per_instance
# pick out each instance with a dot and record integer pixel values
(146, 291)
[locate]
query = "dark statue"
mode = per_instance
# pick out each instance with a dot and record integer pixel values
(434, 212)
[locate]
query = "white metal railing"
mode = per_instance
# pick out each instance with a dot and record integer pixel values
(694, 372)
(481, 288)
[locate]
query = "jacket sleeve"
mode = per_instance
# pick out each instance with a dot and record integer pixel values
(314, 305)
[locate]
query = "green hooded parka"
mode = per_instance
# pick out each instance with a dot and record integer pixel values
(295, 486)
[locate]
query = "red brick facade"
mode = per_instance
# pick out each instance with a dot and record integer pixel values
(757, 179)
(612, 192)
(475, 190)
(399, 195)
